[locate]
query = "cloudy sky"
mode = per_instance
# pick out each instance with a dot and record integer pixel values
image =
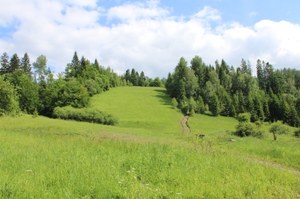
(152, 35)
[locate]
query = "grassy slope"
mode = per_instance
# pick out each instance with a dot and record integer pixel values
(141, 108)
(144, 156)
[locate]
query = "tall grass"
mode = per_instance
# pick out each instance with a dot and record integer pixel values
(76, 166)
(145, 155)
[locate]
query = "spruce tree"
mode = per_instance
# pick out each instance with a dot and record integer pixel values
(14, 63)
(25, 64)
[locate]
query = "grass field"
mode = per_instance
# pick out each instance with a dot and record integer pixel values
(145, 156)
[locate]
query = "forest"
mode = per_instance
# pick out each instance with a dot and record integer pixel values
(269, 95)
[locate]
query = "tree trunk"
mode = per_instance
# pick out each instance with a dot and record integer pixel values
(274, 136)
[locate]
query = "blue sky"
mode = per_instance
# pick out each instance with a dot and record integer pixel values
(247, 12)
(152, 35)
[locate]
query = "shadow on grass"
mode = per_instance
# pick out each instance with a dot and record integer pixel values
(163, 97)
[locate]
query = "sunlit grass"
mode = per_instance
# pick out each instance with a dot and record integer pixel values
(145, 156)
(147, 109)
(59, 166)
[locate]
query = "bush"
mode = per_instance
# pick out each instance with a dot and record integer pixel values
(245, 129)
(84, 114)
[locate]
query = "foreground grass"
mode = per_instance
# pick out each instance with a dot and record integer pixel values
(145, 156)
(64, 165)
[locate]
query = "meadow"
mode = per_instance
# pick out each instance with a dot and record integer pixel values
(146, 155)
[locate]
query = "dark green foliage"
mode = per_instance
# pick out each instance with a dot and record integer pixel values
(14, 63)
(200, 106)
(93, 76)
(219, 89)
(62, 93)
(84, 114)
(8, 100)
(25, 65)
(93, 80)
(214, 105)
(183, 85)
(198, 67)
(73, 69)
(272, 96)
(75, 94)
(26, 89)
(134, 78)
(245, 129)
(156, 82)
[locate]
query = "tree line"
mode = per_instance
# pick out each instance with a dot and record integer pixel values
(223, 90)
(134, 78)
(217, 89)
(34, 89)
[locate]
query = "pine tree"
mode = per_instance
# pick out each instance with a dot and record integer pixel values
(25, 65)
(260, 75)
(97, 65)
(134, 77)
(198, 67)
(127, 76)
(142, 79)
(82, 66)
(214, 105)
(72, 68)
(14, 63)
(245, 67)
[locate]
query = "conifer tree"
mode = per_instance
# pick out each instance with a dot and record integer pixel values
(14, 63)
(25, 64)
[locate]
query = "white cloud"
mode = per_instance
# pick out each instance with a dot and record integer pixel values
(137, 11)
(209, 14)
(145, 36)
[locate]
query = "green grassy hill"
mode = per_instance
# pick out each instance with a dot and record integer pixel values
(146, 109)
(145, 156)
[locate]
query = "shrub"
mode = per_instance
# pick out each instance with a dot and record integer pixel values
(245, 129)
(84, 114)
